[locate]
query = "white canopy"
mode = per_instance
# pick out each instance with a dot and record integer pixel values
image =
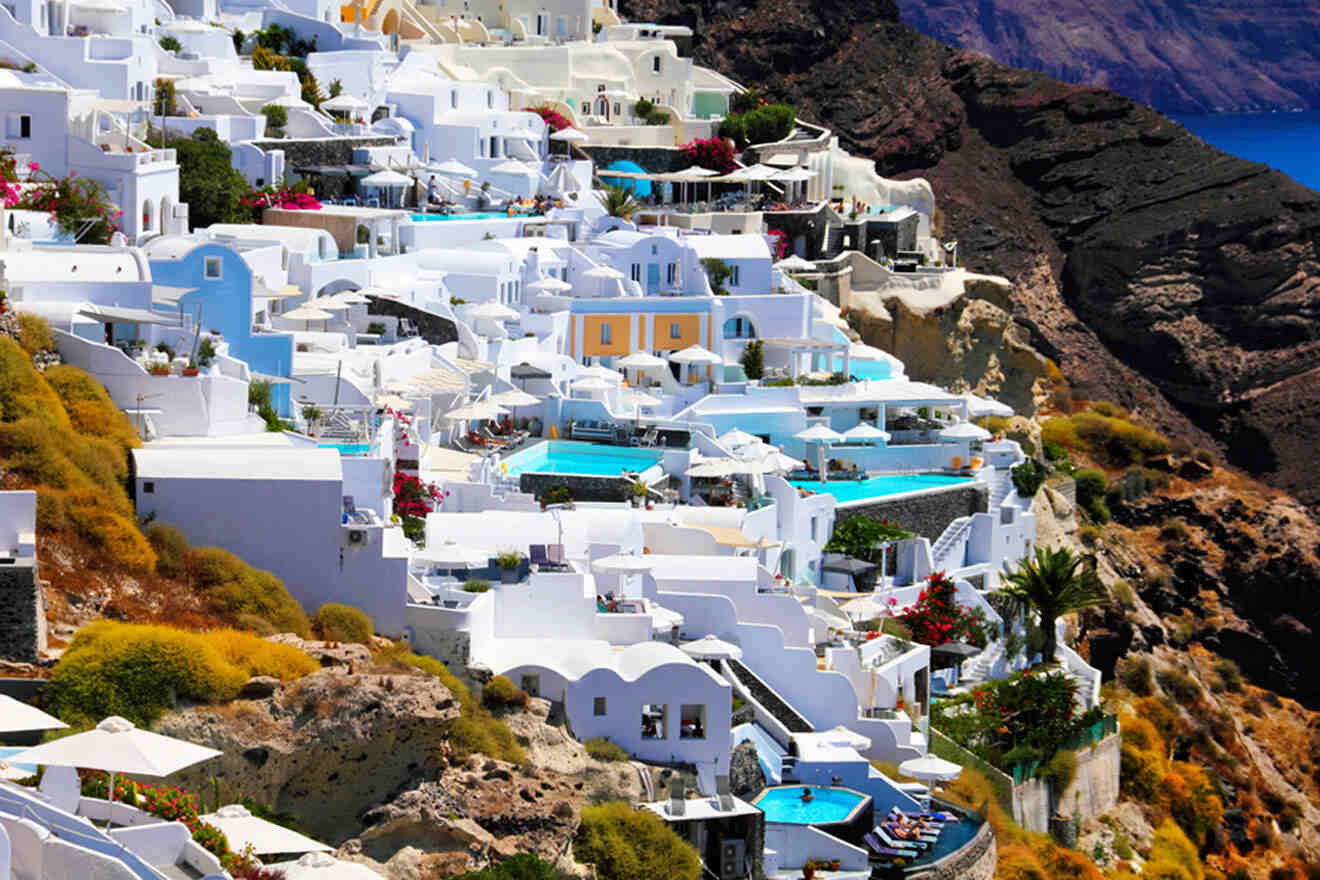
(343, 103)
(719, 467)
(570, 135)
(482, 409)
(394, 401)
(323, 866)
(795, 264)
(598, 372)
(778, 462)
(386, 178)
(708, 647)
(348, 298)
(640, 360)
(623, 563)
(451, 554)
(820, 433)
(794, 175)
(15, 715)
(737, 437)
(510, 167)
(244, 829)
(695, 354)
(493, 311)
(453, 166)
(639, 399)
(548, 285)
(864, 433)
(965, 431)
(590, 385)
(930, 769)
(117, 746)
(515, 398)
(696, 171)
(602, 273)
(752, 173)
(307, 312)
(978, 406)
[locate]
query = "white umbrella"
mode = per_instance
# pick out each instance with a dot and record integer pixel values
(777, 462)
(323, 866)
(708, 647)
(639, 399)
(570, 135)
(623, 563)
(965, 431)
(695, 354)
(548, 285)
(243, 829)
(386, 178)
(598, 372)
(795, 264)
(820, 433)
(15, 715)
(978, 406)
(640, 360)
(930, 769)
(737, 438)
(515, 398)
(394, 401)
(602, 273)
(591, 385)
(308, 313)
(482, 409)
(493, 311)
(717, 467)
(865, 433)
(794, 175)
(117, 746)
(510, 167)
(453, 166)
(451, 554)
(696, 171)
(344, 103)
(329, 303)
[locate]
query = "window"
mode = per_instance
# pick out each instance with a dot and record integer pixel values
(655, 64)
(586, 108)
(532, 685)
(733, 276)
(598, 706)
(606, 334)
(815, 527)
(675, 330)
(617, 108)
(212, 268)
(655, 249)
(482, 147)
(490, 99)
(635, 272)
(453, 98)
(692, 721)
(671, 273)
(494, 147)
(655, 721)
(148, 487)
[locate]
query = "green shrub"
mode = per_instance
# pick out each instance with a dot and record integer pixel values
(897, 628)
(276, 118)
(171, 550)
(1136, 675)
(501, 693)
(602, 749)
(1091, 487)
(234, 587)
(1173, 531)
(170, 44)
(34, 333)
(1178, 684)
(1172, 856)
(343, 623)
(1090, 535)
(1229, 674)
(523, 866)
(1060, 771)
(628, 844)
(138, 671)
(476, 585)
(1027, 478)
(115, 535)
(476, 731)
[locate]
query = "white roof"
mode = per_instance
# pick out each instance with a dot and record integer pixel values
(729, 247)
(213, 463)
(574, 658)
(704, 568)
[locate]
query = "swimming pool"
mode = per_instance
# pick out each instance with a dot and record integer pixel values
(347, 448)
(879, 487)
(828, 806)
(6, 751)
(570, 457)
(953, 837)
(477, 215)
(865, 369)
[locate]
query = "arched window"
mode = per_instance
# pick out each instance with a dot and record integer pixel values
(146, 216)
(739, 328)
(164, 211)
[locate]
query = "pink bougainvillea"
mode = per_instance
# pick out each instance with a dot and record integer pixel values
(280, 197)
(778, 243)
(553, 118)
(714, 153)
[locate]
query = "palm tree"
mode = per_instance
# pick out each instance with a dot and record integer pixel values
(619, 202)
(1054, 583)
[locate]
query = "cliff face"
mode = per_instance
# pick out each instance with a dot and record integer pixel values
(1157, 271)
(1204, 57)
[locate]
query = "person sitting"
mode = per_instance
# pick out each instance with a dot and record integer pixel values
(432, 191)
(807, 796)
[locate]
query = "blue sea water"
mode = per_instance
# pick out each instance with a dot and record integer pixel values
(1288, 142)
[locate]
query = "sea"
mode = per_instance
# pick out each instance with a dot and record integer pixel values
(1288, 142)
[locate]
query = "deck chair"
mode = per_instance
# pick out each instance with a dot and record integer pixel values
(536, 553)
(60, 788)
(722, 791)
(880, 849)
(889, 840)
(677, 802)
(975, 464)
(555, 552)
(957, 462)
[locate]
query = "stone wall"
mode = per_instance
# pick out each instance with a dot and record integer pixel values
(1094, 791)
(656, 160)
(22, 612)
(975, 861)
(324, 151)
(809, 225)
(927, 514)
(435, 329)
(582, 488)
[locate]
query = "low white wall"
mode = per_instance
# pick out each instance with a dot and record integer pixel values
(799, 844)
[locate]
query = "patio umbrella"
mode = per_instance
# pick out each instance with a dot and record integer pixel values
(493, 311)
(15, 715)
(864, 433)
(116, 745)
(597, 372)
(640, 360)
(514, 397)
(965, 431)
(455, 167)
(602, 274)
(481, 409)
(591, 385)
(244, 829)
(930, 769)
(510, 167)
(709, 647)
(548, 285)
(795, 264)
(978, 406)
(323, 866)
(308, 313)
(819, 433)
(525, 371)
(344, 103)
(778, 462)
(696, 355)
(386, 178)
(394, 401)
(639, 400)
(712, 468)
(570, 135)
(737, 438)
(451, 554)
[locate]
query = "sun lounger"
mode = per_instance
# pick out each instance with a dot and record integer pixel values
(933, 817)
(957, 463)
(556, 554)
(910, 832)
(910, 850)
(882, 832)
(880, 849)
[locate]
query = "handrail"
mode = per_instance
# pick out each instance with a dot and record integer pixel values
(56, 821)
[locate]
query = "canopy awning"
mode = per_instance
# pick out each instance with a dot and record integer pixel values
(121, 315)
(167, 295)
(727, 536)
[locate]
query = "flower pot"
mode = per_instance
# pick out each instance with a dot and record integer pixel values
(190, 371)
(508, 575)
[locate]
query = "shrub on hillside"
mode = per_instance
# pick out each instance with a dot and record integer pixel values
(138, 671)
(476, 731)
(1172, 856)
(602, 749)
(628, 844)
(523, 866)
(343, 623)
(1136, 675)
(34, 333)
(234, 587)
(171, 550)
(1027, 478)
(1060, 770)
(115, 535)
(501, 693)
(1091, 487)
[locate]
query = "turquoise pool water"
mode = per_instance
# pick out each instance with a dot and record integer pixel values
(347, 448)
(6, 751)
(478, 215)
(828, 805)
(569, 457)
(865, 369)
(878, 487)
(953, 837)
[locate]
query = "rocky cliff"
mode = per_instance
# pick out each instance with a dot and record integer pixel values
(1204, 57)
(1154, 269)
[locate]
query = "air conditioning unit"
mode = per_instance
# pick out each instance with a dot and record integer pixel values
(357, 536)
(732, 859)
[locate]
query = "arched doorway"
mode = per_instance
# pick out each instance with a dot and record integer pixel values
(146, 216)
(739, 327)
(165, 209)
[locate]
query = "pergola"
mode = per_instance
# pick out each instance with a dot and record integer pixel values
(821, 352)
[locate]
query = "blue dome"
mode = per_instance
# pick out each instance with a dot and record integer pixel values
(639, 188)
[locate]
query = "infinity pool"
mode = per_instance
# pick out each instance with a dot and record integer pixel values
(477, 215)
(569, 457)
(879, 487)
(828, 805)
(347, 448)
(8, 751)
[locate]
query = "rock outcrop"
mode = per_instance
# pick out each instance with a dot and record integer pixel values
(1154, 269)
(1180, 57)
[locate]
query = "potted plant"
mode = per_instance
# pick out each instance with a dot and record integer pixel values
(639, 492)
(191, 369)
(311, 415)
(509, 562)
(160, 370)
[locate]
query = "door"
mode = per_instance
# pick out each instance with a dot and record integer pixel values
(652, 278)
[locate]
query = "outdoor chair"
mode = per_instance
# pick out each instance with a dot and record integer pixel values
(556, 554)
(536, 553)
(883, 833)
(677, 801)
(957, 462)
(909, 833)
(880, 849)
